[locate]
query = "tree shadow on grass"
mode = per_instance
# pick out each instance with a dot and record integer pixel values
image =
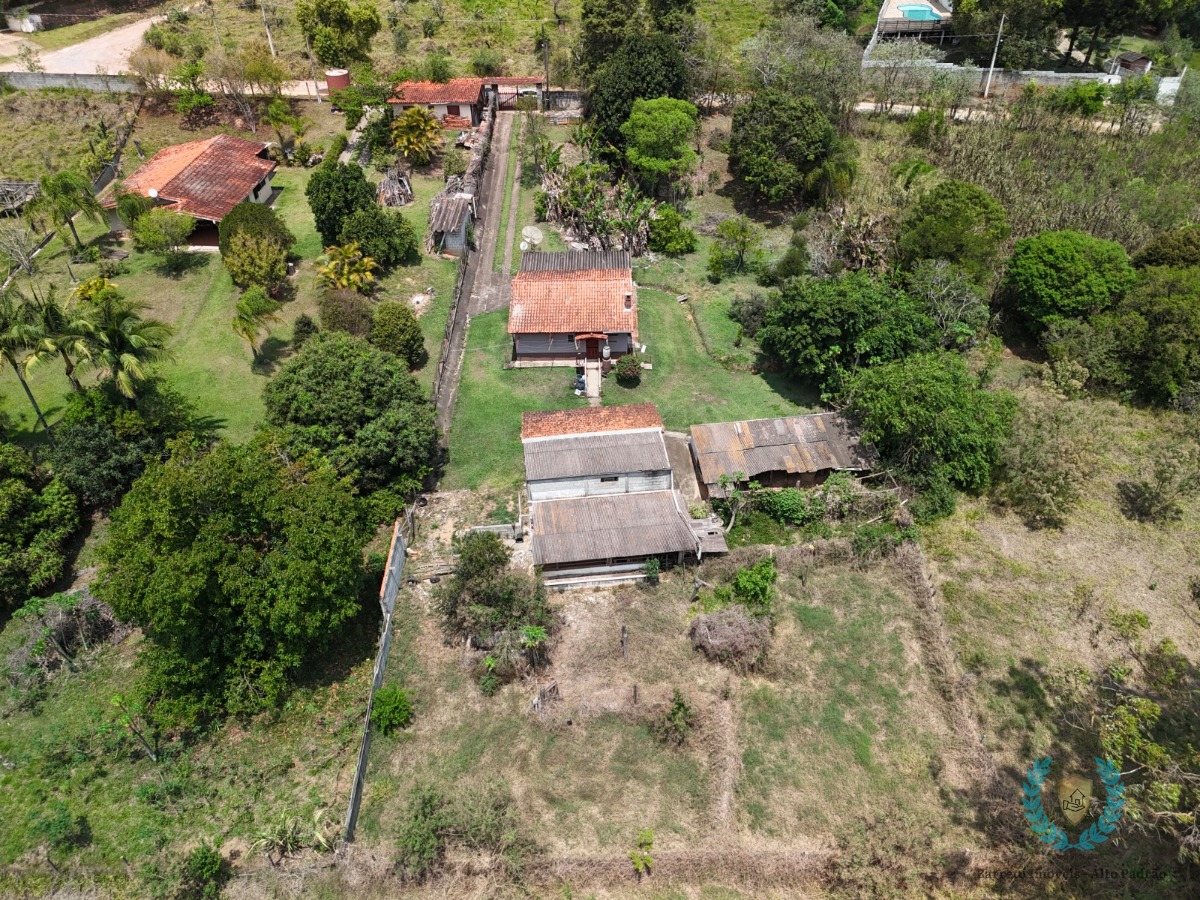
(270, 354)
(750, 205)
(356, 642)
(793, 391)
(177, 265)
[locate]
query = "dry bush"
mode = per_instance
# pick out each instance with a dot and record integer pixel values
(58, 632)
(733, 637)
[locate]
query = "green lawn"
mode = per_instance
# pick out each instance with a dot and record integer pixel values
(688, 386)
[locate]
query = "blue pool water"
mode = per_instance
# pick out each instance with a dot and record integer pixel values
(920, 13)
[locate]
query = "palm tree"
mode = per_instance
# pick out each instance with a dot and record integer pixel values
(279, 116)
(346, 267)
(65, 332)
(19, 333)
(417, 135)
(63, 195)
(123, 343)
(254, 312)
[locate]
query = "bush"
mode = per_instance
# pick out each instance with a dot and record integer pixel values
(751, 311)
(486, 61)
(454, 162)
(541, 205)
(256, 219)
(37, 516)
(205, 872)
(1177, 249)
(485, 597)
(652, 569)
(754, 586)
(62, 830)
(303, 329)
(256, 261)
(793, 507)
(669, 234)
(777, 141)
(627, 369)
(736, 249)
(733, 637)
(1172, 476)
(395, 329)
(1059, 275)
(391, 710)
(384, 235)
(162, 232)
(927, 127)
(334, 192)
(674, 725)
(958, 222)
(345, 310)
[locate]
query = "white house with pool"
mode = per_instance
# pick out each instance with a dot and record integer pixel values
(915, 16)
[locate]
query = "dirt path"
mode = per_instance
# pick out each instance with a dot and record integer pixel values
(107, 53)
(482, 286)
(510, 228)
(728, 764)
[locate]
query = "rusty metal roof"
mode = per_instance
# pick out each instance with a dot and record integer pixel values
(577, 261)
(579, 456)
(793, 444)
(449, 213)
(589, 420)
(610, 527)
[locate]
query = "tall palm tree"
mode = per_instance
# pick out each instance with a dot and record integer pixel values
(65, 332)
(123, 343)
(63, 195)
(19, 333)
(254, 312)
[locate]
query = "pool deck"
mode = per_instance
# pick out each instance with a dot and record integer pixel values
(893, 21)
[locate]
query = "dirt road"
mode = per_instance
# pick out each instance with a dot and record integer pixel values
(107, 53)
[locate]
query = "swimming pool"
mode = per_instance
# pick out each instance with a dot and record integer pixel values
(919, 12)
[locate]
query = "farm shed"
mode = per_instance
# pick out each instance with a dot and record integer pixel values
(794, 451)
(450, 217)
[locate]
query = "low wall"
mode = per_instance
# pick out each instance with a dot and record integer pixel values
(36, 81)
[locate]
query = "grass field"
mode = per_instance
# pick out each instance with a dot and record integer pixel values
(842, 710)
(685, 383)
(50, 130)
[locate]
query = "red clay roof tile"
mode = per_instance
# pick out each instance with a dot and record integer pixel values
(587, 420)
(573, 302)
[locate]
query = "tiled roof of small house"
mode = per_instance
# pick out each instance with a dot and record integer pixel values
(456, 90)
(589, 420)
(573, 303)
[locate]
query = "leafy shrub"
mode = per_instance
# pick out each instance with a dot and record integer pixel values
(345, 310)
(1177, 249)
(37, 516)
(674, 725)
(486, 61)
(484, 821)
(400, 38)
(754, 586)
(652, 568)
(1172, 476)
(751, 311)
(395, 328)
(669, 234)
(640, 854)
(62, 830)
(255, 261)
(422, 839)
(484, 596)
(255, 219)
(958, 222)
(303, 329)
(334, 192)
(792, 506)
(454, 162)
(384, 235)
(876, 540)
(391, 710)
(738, 248)
(927, 127)
(541, 205)
(205, 872)
(627, 369)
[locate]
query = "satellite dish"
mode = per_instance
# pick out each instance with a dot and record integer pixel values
(533, 235)
(153, 193)
(524, 246)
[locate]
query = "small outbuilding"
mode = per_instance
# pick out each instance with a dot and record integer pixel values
(450, 218)
(793, 451)
(456, 104)
(1133, 63)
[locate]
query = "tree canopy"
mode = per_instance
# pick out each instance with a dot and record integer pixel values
(644, 67)
(958, 222)
(256, 219)
(929, 415)
(238, 565)
(358, 406)
(385, 235)
(658, 138)
(823, 328)
(37, 515)
(1178, 249)
(334, 192)
(777, 141)
(603, 26)
(340, 33)
(395, 329)
(1065, 274)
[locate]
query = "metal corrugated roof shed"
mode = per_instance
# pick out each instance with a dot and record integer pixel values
(576, 261)
(596, 454)
(615, 526)
(793, 444)
(449, 213)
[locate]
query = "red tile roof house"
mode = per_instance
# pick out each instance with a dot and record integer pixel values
(456, 104)
(203, 179)
(570, 307)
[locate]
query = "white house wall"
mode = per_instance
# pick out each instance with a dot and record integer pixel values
(628, 483)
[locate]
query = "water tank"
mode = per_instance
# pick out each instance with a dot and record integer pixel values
(337, 79)
(606, 352)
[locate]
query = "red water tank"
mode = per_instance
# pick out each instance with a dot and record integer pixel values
(337, 79)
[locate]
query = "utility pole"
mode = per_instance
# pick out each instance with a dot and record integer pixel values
(995, 52)
(312, 68)
(212, 8)
(270, 43)
(545, 69)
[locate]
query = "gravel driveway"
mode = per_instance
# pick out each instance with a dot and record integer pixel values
(108, 53)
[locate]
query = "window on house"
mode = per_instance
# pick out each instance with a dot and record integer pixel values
(604, 478)
(452, 109)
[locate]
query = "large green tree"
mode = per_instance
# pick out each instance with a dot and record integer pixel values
(1064, 275)
(778, 141)
(339, 33)
(823, 328)
(603, 27)
(37, 515)
(929, 415)
(958, 222)
(357, 405)
(238, 565)
(335, 192)
(643, 68)
(658, 139)
(382, 234)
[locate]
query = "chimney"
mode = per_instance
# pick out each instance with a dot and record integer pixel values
(628, 301)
